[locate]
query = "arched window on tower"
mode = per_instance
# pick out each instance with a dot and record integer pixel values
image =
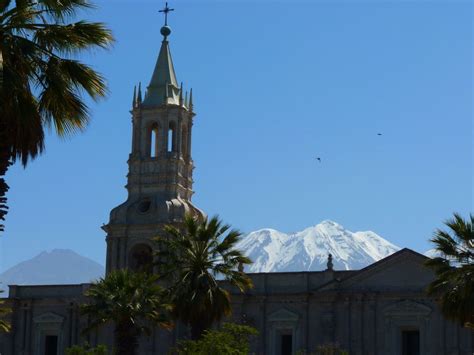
(141, 258)
(154, 131)
(172, 137)
(184, 140)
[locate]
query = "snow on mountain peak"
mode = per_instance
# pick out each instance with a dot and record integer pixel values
(433, 253)
(307, 250)
(328, 222)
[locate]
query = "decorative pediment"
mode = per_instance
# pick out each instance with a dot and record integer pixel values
(404, 269)
(407, 307)
(48, 317)
(283, 315)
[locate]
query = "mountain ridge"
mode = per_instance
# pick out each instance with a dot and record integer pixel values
(307, 250)
(269, 249)
(57, 266)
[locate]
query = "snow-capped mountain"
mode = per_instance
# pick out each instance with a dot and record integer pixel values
(432, 253)
(59, 266)
(274, 251)
(270, 251)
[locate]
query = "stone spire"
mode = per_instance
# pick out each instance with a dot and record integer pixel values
(181, 102)
(190, 104)
(139, 94)
(163, 87)
(134, 101)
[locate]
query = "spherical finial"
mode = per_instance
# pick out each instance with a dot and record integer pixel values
(165, 31)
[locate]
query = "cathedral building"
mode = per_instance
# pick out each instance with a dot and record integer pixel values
(379, 310)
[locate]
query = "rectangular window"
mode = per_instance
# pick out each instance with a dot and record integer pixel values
(286, 344)
(51, 345)
(410, 342)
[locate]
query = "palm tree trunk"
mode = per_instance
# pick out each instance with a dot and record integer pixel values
(125, 339)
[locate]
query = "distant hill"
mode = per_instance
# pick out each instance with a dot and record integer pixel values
(59, 266)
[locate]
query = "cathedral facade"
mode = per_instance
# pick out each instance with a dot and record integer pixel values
(379, 310)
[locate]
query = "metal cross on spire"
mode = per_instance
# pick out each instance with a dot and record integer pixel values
(166, 10)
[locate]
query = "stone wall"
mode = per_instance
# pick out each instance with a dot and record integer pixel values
(364, 311)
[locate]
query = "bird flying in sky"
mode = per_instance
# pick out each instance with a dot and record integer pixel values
(318, 159)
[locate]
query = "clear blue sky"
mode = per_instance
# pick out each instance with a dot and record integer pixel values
(276, 83)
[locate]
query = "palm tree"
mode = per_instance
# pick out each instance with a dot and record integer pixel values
(454, 269)
(4, 325)
(41, 83)
(191, 260)
(132, 301)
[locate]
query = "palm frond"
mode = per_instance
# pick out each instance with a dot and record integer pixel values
(64, 9)
(454, 269)
(74, 37)
(46, 89)
(192, 259)
(4, 4)
(125, 296)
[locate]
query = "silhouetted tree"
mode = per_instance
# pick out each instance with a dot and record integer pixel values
(454, 268)
(41, 84)
(132, 301)
(230, 339)
(191, 260)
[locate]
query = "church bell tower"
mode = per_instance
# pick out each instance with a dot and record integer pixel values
(159, 180)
